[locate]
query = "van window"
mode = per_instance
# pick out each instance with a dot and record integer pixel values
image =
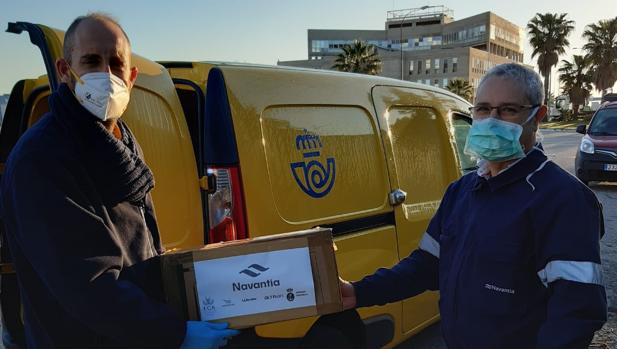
(604, 123)
(462, 124)
(192, 101)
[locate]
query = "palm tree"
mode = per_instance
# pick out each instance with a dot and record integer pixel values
(548, 35)
(601, 48)
(576, 78)
(358, 57)
(461, 87)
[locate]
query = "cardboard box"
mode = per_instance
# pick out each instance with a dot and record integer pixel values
(255, 281)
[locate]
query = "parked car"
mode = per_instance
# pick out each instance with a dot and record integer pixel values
(609, 97)
(596, 159)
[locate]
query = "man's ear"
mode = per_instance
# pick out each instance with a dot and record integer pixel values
(133, 76)
(62, 67)
(541, 113)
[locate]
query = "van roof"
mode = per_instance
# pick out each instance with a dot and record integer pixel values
(380, 80)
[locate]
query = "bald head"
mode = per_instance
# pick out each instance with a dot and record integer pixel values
(100, 18)
(96, 43)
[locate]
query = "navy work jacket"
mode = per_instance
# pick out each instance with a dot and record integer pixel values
(516, 259)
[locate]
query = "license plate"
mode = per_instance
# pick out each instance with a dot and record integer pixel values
(610, 167)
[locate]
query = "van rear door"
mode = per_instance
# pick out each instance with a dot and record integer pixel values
(27, 102)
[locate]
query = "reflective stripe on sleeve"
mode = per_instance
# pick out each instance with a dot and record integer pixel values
(584, 272)
(429, 245)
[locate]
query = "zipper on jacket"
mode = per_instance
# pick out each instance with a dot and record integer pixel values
(142, 210)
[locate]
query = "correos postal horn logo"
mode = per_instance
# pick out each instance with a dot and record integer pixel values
(315, 179)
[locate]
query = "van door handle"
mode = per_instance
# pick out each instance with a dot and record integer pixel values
(397, 197)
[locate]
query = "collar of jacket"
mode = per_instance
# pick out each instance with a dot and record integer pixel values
(114, 165)
(519, 170)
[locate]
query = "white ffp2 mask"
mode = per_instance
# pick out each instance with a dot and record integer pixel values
(103, 94)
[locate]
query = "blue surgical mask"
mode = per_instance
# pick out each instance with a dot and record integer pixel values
(496, 140)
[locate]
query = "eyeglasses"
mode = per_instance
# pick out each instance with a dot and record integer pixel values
(504, 111)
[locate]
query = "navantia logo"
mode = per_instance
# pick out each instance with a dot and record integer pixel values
(314, 178)
(251, 270)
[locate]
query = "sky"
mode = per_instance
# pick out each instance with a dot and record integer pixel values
(254, 31)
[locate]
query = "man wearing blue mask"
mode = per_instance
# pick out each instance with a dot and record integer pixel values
(514, 247)
(79, 216)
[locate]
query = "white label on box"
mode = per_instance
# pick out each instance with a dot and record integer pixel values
(254, 283)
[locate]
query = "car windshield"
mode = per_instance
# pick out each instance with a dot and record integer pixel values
(604, 123)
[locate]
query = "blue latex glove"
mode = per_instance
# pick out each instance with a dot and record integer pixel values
(206, 335)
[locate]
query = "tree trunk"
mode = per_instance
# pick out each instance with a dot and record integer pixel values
(575, 109)
(547, 81)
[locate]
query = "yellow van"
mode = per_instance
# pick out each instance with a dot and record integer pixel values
(242, 150)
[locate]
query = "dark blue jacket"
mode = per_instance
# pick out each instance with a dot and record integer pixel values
(516, 259)
(79, 219)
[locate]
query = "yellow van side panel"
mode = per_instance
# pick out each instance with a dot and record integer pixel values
(253, 94)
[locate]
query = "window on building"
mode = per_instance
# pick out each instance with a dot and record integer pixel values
(427, 66)
(427, 81)
(454, 64)
(445, 65)
(437, 65)
(410, 67)
(419, 67)
(445, 82)
(436, 82)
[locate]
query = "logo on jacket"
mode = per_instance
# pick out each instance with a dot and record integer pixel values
(499, 289)
(313, 177)
(253, 270)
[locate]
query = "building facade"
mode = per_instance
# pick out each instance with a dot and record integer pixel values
(4, 99)
(426, 45)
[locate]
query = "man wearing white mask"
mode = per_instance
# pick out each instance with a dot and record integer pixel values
(514, 247)
(78, 212)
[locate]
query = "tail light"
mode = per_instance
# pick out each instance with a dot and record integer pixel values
(226, 206)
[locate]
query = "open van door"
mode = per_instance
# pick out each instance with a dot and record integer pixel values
(156, 118)
(27, 102)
